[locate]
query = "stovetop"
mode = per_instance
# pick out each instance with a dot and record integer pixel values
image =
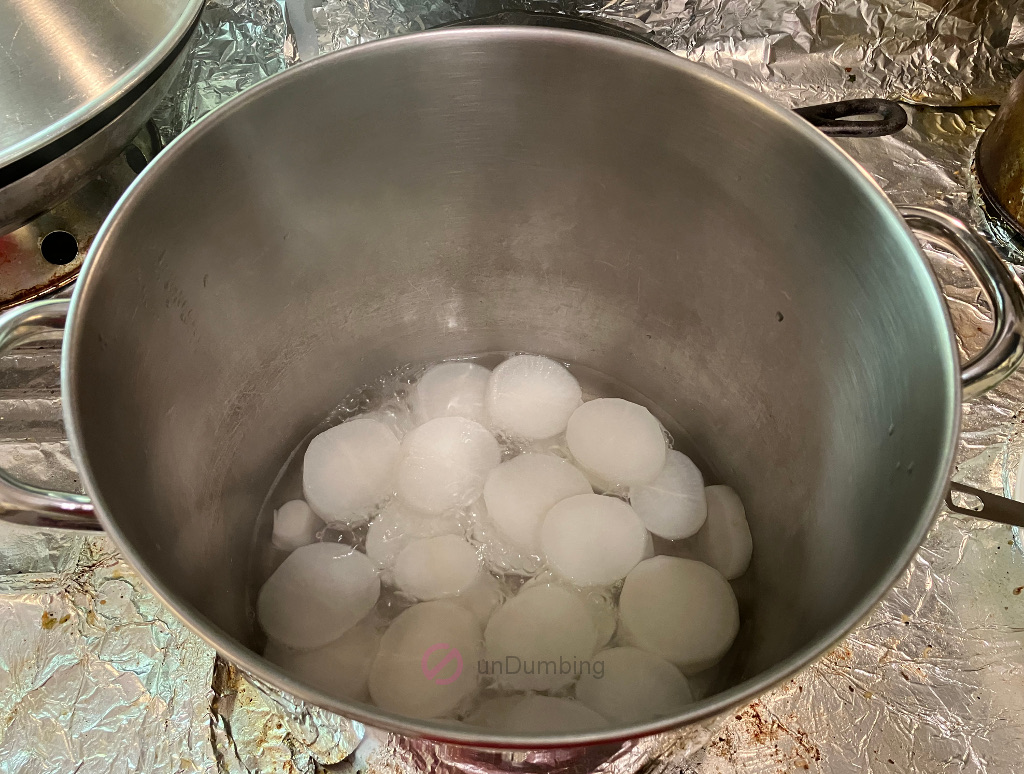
(45, 255)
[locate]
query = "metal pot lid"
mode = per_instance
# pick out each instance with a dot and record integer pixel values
(69, 67)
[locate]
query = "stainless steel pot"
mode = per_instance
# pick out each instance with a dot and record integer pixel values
(518, 189)
(79, 80)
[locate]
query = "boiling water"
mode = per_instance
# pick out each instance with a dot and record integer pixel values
(387, 399)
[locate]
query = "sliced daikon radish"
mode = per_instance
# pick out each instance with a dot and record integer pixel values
(340, 668)
(317, 594)
(398, 525)
(724, 541)
(619, 442)
(427, 662)
(493, 713)
(519, 492)
(295, 525)
(532, 397)
(452, 390)
(444, 464)
(349, 469)
(629, 685)
(592, 540)
(482, 597)
(538, 639)
(649, 546)
(673, 505)
(498, 552)
(599, 602)
(679, 609)
(436, 567)
(550, 715)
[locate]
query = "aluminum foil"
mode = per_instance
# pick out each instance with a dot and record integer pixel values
(800, 52)
(238, 44)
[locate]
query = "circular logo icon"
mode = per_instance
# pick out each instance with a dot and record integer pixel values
(441, 664)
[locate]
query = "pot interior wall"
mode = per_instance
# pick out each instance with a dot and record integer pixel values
(536, 191)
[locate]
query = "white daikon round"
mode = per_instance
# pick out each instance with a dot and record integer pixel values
(551, 715)
(317, 594)
(649, 546)
(348, 469)
(603, 610)
(398, 525)
(427, 662)
(295, 525)
(724, 541)
(481, 598)
(629, 685)
(518, 494)
(498, 552)
(679, 609)
(599, 602)
(444, 464)
(532, 397)
(672, 506)
(539, 637)
(493, 713)
(452, 390)
(618, 442)
(592, 540)
(340, 668)
(436, 567)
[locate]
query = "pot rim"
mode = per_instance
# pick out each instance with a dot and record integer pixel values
(452, 732)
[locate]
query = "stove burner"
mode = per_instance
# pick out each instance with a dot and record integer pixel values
(46, 254)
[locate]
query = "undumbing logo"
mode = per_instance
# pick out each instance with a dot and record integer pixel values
(441, 664)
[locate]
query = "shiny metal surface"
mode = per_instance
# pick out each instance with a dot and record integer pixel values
(993, 507)
(799, 52)
(30, 267)
(77, 81)
(25, 503)
(750, 285)
(64, 62)
(1004, 351)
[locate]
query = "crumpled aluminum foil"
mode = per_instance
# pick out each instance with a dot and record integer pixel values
(238, 44)
(97, 677)
(800, 52)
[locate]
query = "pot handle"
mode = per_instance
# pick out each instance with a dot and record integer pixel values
(1005, 350)
(1001, 354)
(831, 117)
(22, 503)
(993, 507)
